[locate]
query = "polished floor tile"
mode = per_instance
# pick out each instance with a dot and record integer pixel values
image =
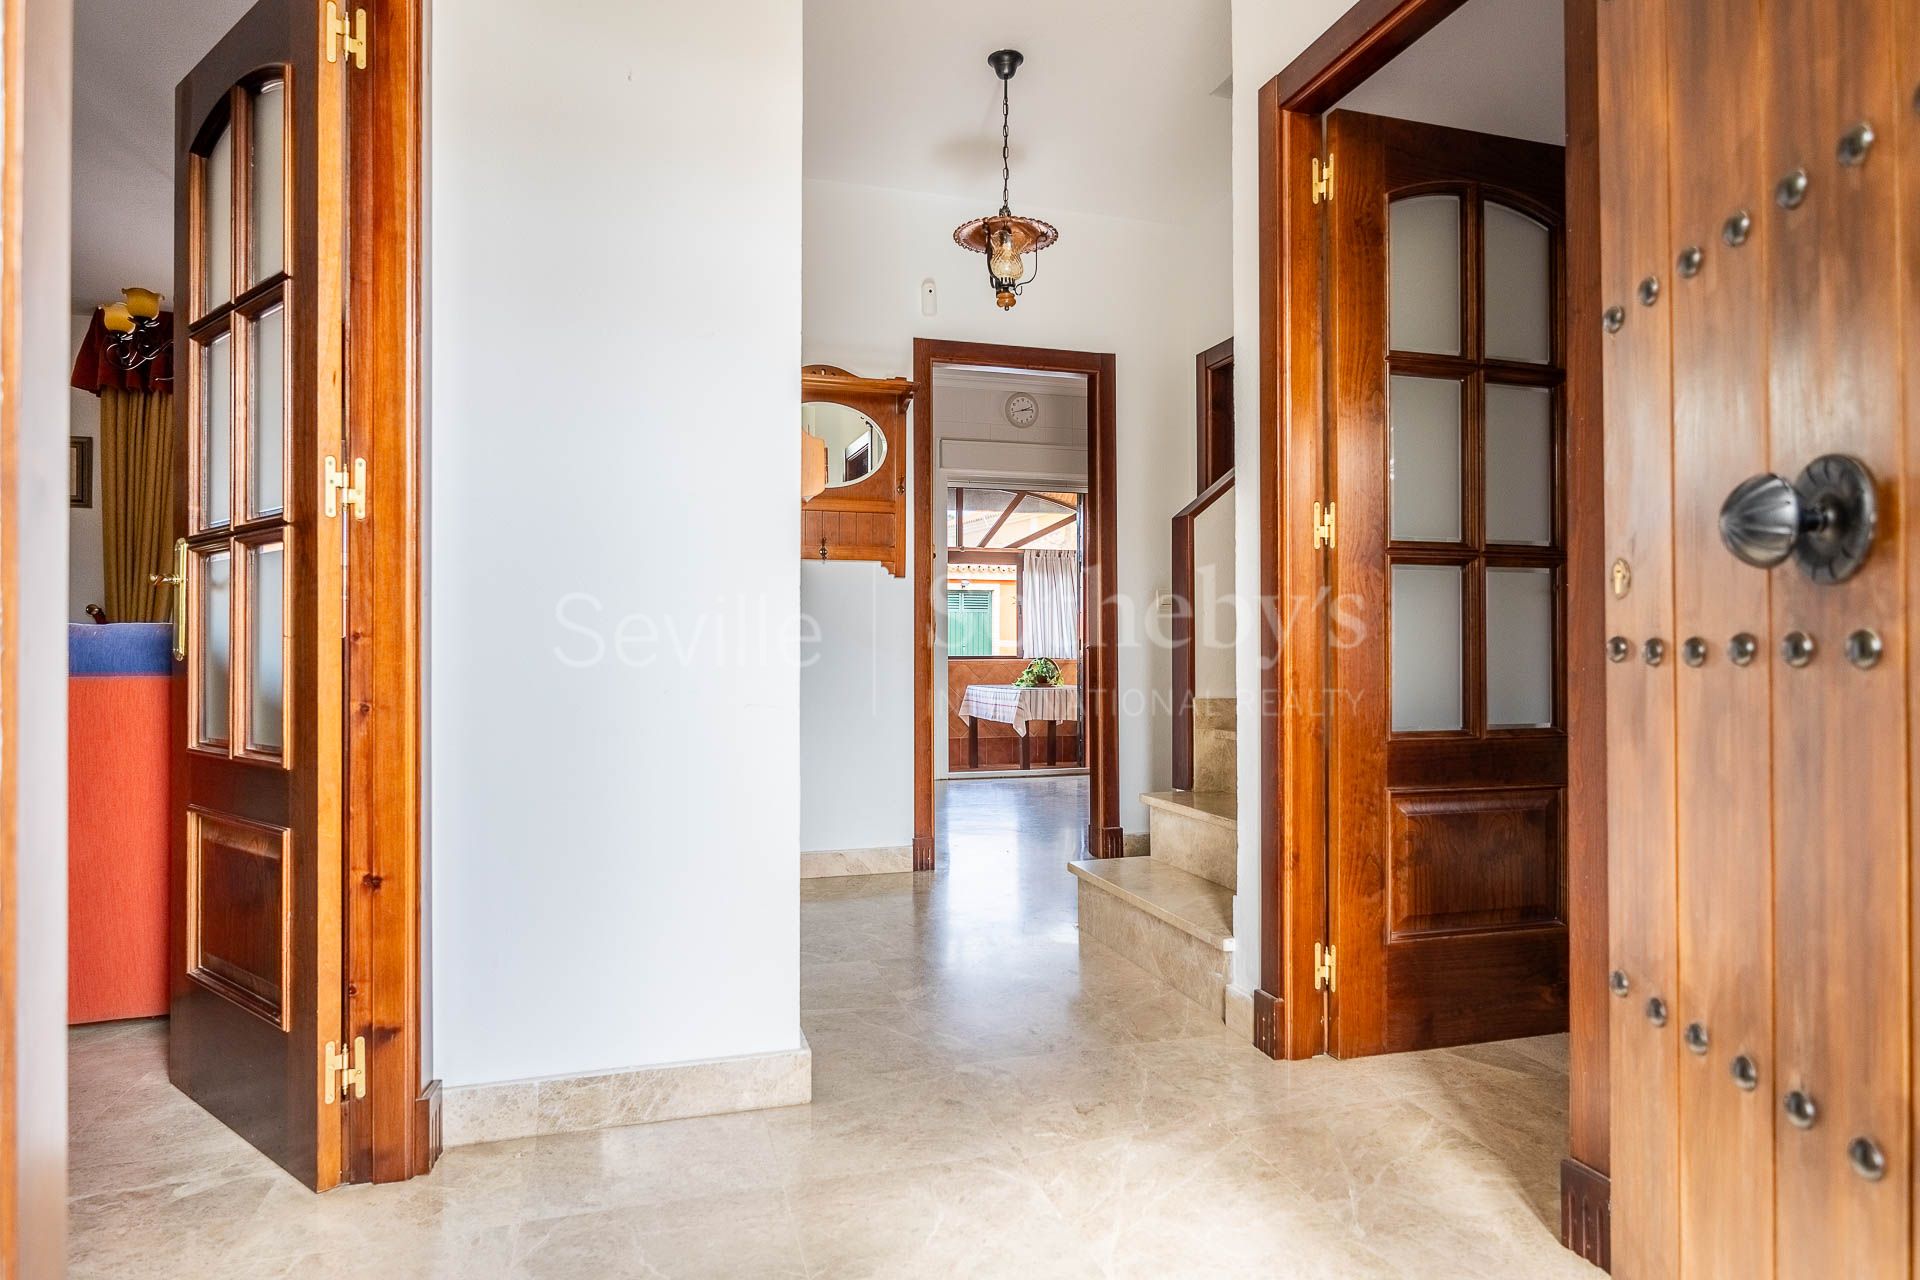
(993, 1096)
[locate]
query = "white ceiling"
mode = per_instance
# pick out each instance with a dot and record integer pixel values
(127, 59)
(1495, 66)
(1114, 111)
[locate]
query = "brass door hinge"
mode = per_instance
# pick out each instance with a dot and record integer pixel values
(352, 38)
(342, 1071)
(340, 492)
(1323, 180)
(1324, 974)
(1323, 526)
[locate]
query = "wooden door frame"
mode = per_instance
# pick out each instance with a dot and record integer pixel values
(1207, 365)
(1100, 666)
(1292, 734)
(1180, 625)
(12, 313)
(394, 1133)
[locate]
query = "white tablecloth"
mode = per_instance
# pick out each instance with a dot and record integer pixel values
(1011, 704)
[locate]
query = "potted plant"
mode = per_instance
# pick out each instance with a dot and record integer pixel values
(1041, 673)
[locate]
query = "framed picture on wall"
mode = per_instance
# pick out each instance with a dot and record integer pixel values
(80, 470)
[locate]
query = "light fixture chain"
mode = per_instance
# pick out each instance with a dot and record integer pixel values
(1006, 171)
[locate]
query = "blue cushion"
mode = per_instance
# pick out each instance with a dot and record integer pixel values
(120, 649)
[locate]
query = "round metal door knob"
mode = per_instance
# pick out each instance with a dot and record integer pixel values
(1735, 230)
(1797, 648)
(1745, 1072)
(1654, 651)
(1657, 1011)
(1800, 1109)
(1613, 318)
(1693, 651)
(1825, 519)
(1695, 1037)
(1742, 649)
(1618, 984)
(1649, 291)
(1867, 1159)
(1619, 649)
(1864, 648)
(1690, 260)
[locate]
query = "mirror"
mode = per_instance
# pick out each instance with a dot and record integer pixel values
(855, 444)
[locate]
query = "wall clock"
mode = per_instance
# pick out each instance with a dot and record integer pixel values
(1022, 409)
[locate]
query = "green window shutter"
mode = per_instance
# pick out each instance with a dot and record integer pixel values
(970, 624)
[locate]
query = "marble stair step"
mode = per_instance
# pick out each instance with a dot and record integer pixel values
(1172, 923)
(1218, 808)
(1196, 831)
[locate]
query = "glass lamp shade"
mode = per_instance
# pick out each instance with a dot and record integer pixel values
(1004, 260)
(116, 318)
(142, 304)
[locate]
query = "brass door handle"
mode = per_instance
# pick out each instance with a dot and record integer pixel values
(178, 581)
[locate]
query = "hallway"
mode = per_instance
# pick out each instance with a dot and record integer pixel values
(992, 1097)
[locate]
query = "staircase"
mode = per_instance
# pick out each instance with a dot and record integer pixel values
(1171, 911)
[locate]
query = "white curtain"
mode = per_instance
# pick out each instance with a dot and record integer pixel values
(1050, 604)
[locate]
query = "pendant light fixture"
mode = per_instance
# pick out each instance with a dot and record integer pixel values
(1004, 237)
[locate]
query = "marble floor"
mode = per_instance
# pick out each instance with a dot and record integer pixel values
(993, 1097)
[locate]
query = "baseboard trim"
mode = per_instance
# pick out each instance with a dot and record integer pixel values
(817, 864)
(1266, 1024)
(427, 1133)
(1239, 1012)
(923, 853)
(1586, 1213)
(1108, 842)
(672, 1091)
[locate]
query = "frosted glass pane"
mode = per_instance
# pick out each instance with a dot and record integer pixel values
(1520, 647)
(266, 682)
(1423, 274)
(1423, 461)
(266, 418)
(1427, 681)
(216, 433)
(1519, 273)
(1519, 464)
(269, 179)
(217, 276)
(216, 644)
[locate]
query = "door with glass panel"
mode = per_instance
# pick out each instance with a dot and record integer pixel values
(1447, 750)
(256, 996)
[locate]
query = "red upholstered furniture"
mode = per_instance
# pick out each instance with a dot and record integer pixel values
(117, 821)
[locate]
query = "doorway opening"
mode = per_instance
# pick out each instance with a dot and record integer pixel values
(1432, 725)
(244, 657)
(1013, 635)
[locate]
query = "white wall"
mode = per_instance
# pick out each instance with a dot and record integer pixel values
(86, 569)
(1215, 614)
(615, 233)
(1104, 287)
(40, 896)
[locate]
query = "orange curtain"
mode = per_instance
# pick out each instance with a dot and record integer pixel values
(136, 501)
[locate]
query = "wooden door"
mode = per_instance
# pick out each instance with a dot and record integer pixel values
(257, 993)
(1760, 164)
(1448, 754)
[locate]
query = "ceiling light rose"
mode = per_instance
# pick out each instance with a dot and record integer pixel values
(1005, 237)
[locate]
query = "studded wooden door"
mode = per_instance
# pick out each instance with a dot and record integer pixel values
(257, 990)
(1761, 269)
